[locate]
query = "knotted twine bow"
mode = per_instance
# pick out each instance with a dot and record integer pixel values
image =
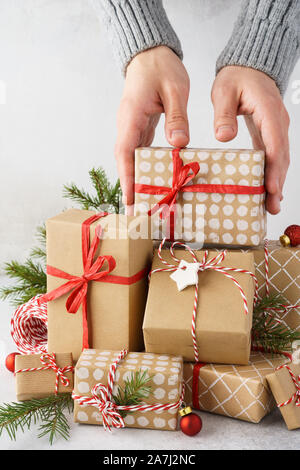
(110, 411)
(49, 362)
(78, 285)
(296, 379)
(203, 265)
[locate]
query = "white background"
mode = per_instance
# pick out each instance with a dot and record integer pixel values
(62, 91)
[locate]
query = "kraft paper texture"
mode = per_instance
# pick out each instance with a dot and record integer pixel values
(41, 383)
(222, 327)
(166, 384)
(115, 312)
(283, 388)
(237, 391)
(225, 219)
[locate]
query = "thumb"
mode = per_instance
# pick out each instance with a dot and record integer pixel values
(225, 107)
(176, 123)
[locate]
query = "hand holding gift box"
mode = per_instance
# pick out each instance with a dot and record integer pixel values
(41, 375)
(99, 376)
(96, 291)
(209, 321)
(210, 196)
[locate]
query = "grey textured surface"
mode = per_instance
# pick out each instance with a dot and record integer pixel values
(218, 432)
(266, 35)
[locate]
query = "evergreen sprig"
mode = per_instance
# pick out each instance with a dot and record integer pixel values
(107, 195)
(50, 411)
(267, 332)
(136, 389)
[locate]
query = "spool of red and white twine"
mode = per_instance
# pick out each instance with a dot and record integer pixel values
(29, 327)
(204, 264)
(102, 400)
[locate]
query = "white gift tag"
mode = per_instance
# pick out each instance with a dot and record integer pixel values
(186, 274)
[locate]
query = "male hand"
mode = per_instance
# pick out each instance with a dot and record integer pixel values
(156, 82)
(245, 91)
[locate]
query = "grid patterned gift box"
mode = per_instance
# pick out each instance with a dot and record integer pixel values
(237, 391)
(216, 212)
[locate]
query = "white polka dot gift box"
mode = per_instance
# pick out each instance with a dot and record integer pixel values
(93, 403)
(202, 312)
(240, 392)
(201, 195)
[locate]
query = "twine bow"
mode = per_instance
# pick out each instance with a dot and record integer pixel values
(203, 265)
(102, 400)
(49, 362)
(296, 379)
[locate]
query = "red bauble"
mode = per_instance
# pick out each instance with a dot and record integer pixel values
(10, 361)
(293, 232)
(191, 424)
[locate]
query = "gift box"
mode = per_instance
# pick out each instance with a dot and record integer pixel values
(209, 196)
(209, 323)
(42, 375)
(240, 392)
(159, 408)
(277, 269)
(285, 386)
(96, 280)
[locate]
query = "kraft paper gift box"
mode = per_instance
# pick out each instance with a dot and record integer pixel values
(166, 386)
(287, 393)
(239, 392)
(283, 278)
(115, 304)
(41, 383)
(222, 327)
(223, 203)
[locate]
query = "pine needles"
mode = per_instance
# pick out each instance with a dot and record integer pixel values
(107, 196)
(135, 390)
(49, 411)
(268, 332)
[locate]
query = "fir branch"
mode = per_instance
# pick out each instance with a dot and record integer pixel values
(50, 411)
(268, 332)
(135, 390)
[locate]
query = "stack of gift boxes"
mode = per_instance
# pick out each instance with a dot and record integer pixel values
(128, 294)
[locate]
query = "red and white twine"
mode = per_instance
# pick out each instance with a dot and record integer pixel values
(204, 264)
(102, 400)
(296, 379)
(29, 327)
(49, 362)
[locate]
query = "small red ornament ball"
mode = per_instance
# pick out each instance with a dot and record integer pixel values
(191, 424)
(293, 232)
(10, 361)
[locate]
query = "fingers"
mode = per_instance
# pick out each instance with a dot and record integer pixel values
(130, 127)
(176, 123)
(274, 132)
(225, 100)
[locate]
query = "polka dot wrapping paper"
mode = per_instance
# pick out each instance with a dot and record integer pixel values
(216, 218)
(240, 392)
(166, 384)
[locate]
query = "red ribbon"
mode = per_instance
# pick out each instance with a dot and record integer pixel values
(182, 175)
(78, 285)
(195, 389)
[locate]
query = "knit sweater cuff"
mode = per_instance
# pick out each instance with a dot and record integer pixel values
(265, 37)
(135, 26)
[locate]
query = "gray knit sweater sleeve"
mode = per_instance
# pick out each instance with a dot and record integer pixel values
(266, 37)
(135, 26)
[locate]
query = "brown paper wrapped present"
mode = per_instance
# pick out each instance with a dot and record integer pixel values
(42, 375)
(93, 367)
(222, 326)
(237, 391)
(285, 386)
(219, 194)
(97, 288)
(283, 278)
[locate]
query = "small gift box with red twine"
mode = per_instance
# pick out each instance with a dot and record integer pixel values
(98, 374)
(42, 375)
